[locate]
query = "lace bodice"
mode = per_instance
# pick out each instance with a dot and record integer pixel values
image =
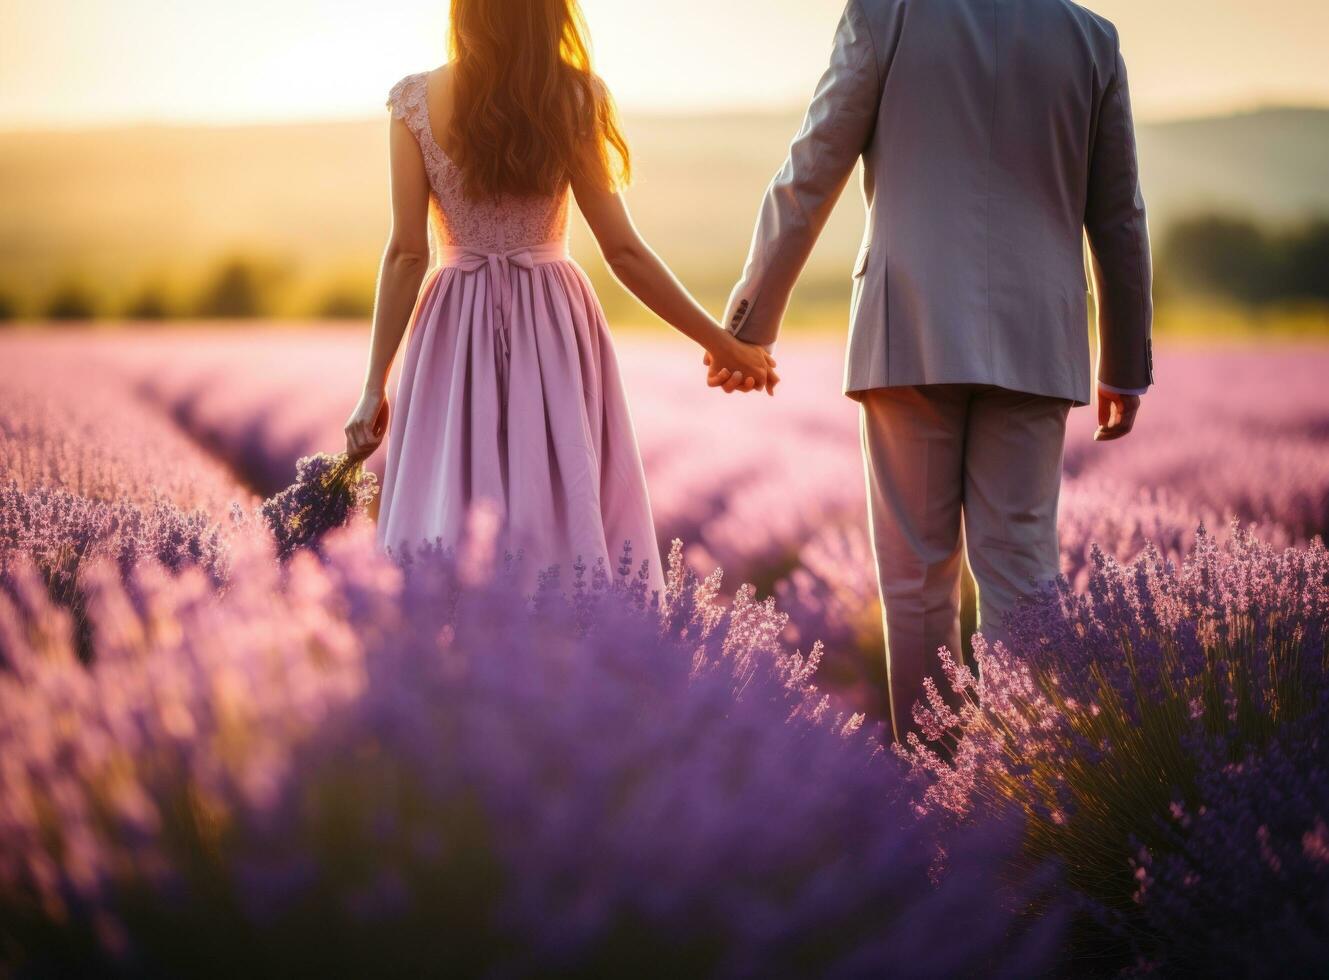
(455, 219)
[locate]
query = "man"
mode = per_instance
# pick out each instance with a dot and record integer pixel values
(994, 135)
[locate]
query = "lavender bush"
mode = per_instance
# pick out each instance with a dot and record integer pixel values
(59, 533)
(831, 594)
(1241, 884)
(335, 763)
(831, 597)
(68, 423)
(56, 535)
(1123, 721)
(344, 768)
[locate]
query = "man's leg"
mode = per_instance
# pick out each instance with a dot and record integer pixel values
(913, 447)
(1012, 481)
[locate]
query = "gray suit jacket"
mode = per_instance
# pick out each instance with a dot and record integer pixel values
(994, 135)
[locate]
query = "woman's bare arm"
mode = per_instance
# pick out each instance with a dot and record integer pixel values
(405, 261)
(647, 277)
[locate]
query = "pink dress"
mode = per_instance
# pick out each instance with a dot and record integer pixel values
(509, 390)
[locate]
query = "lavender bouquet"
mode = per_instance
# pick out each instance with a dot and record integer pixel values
(328, 490)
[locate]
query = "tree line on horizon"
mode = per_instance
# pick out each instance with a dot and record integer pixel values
(1238, 259)
(1216, 255)
(237, 287)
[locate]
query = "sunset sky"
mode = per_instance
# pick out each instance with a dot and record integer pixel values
(79, 62)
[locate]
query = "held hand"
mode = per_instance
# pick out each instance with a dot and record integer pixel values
(738, 366)
(367, 426)
(1116, 415)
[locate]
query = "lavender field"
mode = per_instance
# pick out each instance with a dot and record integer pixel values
(213, 762)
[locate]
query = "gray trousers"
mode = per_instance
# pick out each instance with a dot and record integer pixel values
(953, 469)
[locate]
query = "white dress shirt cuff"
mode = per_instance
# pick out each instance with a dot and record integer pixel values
(1123, 391)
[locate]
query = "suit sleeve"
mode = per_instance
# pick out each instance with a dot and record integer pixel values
(1119, 241)
(834, 134)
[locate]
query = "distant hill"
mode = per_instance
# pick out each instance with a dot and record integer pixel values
(122, 205)
(1272, 164)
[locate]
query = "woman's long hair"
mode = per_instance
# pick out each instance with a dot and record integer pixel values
(529, 114)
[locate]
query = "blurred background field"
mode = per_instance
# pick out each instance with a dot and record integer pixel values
(286, 221)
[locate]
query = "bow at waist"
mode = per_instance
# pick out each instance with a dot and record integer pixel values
(470, 259)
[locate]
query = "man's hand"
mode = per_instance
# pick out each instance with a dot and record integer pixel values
(740, 366)
(1116, 415)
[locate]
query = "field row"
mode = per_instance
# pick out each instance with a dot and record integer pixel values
(335, 763)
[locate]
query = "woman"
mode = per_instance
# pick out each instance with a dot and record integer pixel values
(509, 390)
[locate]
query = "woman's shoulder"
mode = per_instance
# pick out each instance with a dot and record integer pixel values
(411, 89)
(407, 93)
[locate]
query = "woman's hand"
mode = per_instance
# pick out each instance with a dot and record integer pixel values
(367, 426)
(737, 366)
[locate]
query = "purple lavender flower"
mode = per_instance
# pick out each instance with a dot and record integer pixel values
(337, 739)
(57, 535)
(68, 423)
(1240, 884)
(341, 765)
(1114, 719)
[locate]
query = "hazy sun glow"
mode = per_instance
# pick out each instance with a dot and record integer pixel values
(76, 62)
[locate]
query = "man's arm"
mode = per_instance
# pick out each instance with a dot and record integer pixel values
(1119, 240)
(821, 158)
